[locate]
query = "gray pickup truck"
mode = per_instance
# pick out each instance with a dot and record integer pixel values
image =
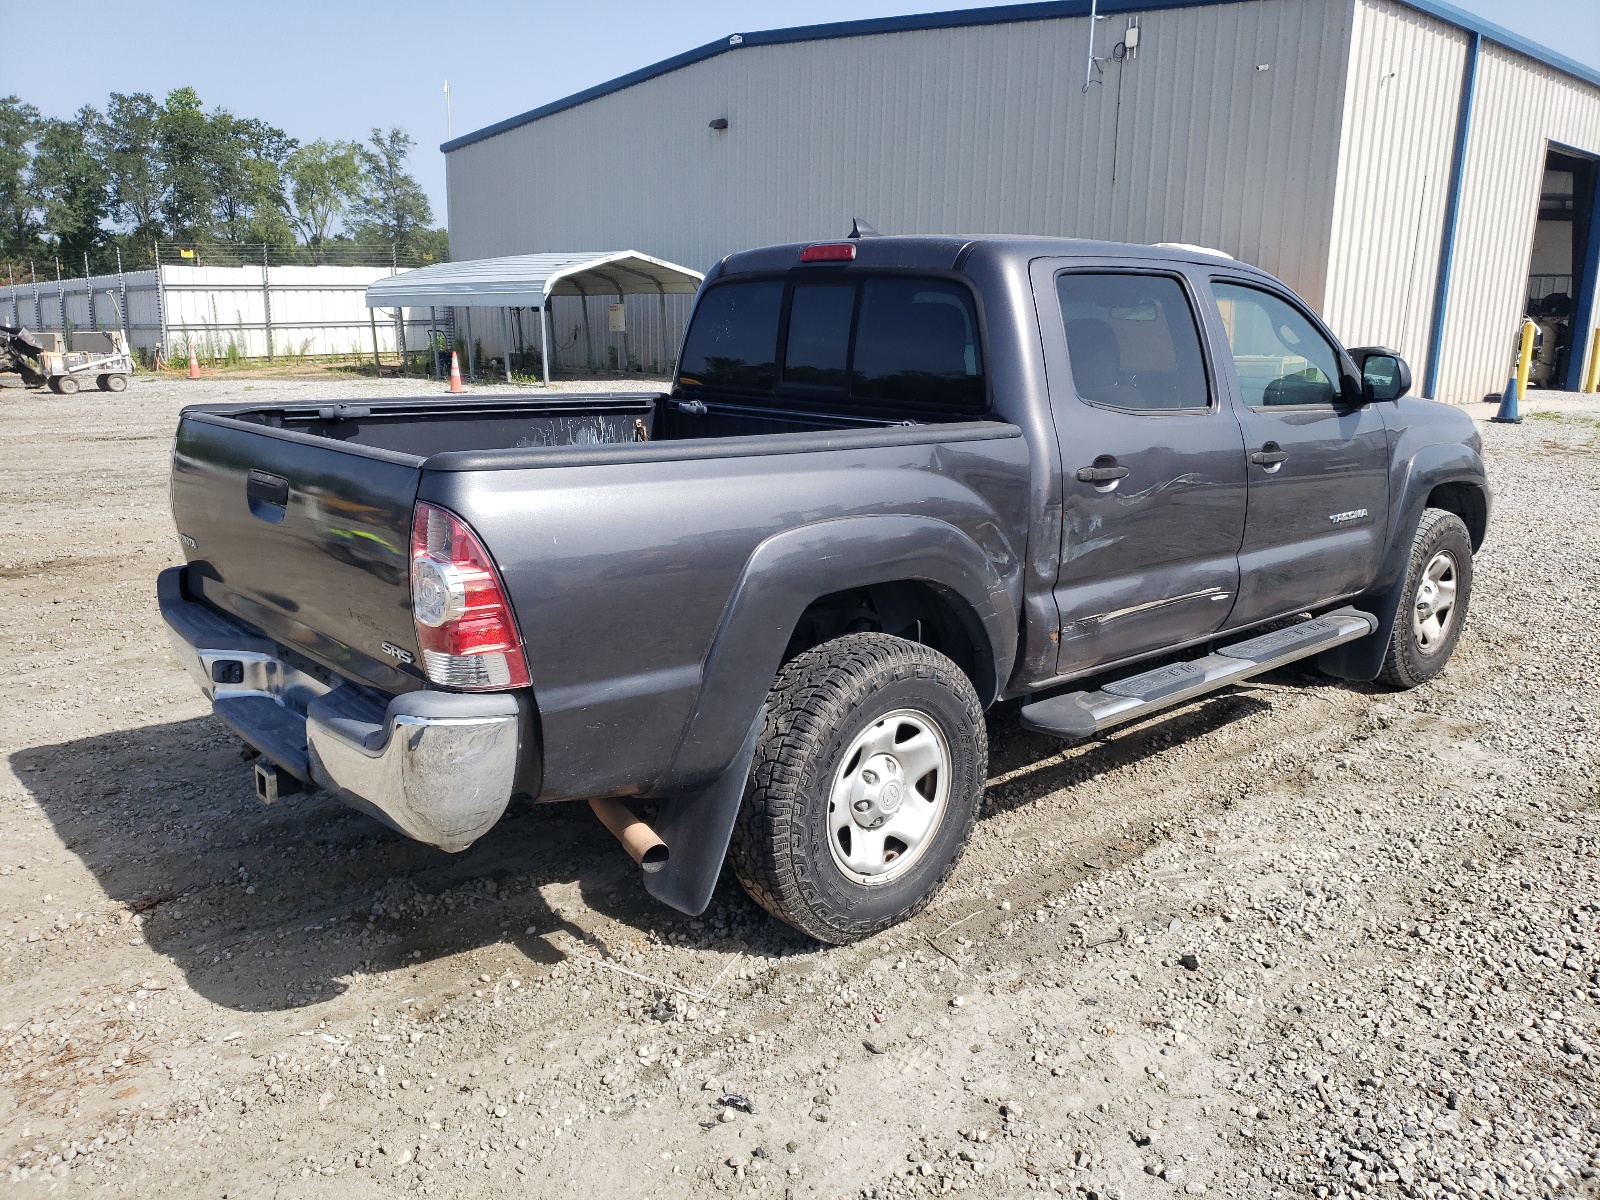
(759, 618)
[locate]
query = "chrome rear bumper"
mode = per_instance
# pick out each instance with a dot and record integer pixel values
(439, 767)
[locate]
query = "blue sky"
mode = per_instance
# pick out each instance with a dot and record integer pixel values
(334, 69)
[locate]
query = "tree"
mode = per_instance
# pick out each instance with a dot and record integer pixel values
(19, 205)
(268, 220)
(183, 142)
(128, 147)
(323, 179)
(391, 206)
(68, 176)
(431, 245)
(247, 159)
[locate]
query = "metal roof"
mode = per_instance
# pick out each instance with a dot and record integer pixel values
(999, 15)
(528, 280)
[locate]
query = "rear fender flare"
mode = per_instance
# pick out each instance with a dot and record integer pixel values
(1430, 466)
(790, 570)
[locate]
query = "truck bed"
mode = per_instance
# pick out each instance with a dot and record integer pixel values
(426, 427)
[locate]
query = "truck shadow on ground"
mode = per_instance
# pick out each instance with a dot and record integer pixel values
(1025, 766)
(272, 908)
(275, 908)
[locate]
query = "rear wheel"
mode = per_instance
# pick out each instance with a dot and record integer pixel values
(111, 383)
(1433, 607)
(66, 385)
(865, 786)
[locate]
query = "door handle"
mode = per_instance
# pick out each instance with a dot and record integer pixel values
(1101, 474)
(1270, 456)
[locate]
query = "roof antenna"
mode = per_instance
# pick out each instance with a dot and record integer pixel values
(1093, 65)
(860, 229)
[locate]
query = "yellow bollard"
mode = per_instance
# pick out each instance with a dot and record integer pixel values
(1525, 359)
(1591, 381)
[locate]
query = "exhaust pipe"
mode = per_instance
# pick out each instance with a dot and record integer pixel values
(637, 838)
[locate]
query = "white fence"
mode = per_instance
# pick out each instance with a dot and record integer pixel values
(256, 311)
(290, 311)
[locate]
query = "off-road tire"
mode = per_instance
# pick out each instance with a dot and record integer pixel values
(111, 383)
(1406, 664)
(66, 385)
(821, 700)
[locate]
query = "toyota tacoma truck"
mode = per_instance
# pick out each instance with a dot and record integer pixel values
(758, 618)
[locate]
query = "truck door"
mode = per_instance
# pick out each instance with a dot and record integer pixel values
(1318, 457)
(1153, 487)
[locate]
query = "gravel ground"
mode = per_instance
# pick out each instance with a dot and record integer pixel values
(1298, 938)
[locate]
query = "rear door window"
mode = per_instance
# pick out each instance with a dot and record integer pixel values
(733, 340)
(1133, 342)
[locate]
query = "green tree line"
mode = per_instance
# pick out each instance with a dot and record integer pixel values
(145, 171)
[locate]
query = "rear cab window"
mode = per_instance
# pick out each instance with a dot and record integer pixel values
(733, 344)
(902, 345)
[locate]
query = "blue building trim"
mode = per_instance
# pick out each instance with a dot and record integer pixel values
(1007, 14)
(1582, 338)
(1452, 212)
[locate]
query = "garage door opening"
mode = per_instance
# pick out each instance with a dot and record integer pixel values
(1561, 272)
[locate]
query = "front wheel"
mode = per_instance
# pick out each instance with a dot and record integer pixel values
(66, 385)
(865, 786)
(1433, 607)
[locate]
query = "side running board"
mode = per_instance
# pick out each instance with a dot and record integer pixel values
(1083, 714)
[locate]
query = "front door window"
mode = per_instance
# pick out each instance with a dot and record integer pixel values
(1281, 359)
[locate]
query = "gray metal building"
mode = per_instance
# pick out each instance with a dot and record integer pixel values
(1420, 176)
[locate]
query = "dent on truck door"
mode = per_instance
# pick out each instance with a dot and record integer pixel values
(1153, 464)
(1318, 465)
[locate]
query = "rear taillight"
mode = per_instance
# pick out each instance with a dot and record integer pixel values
(465, 629)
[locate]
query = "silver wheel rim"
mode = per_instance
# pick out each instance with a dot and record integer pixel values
(1433, 609)
(888, 797)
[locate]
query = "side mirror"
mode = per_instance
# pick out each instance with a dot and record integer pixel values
(1384, 374)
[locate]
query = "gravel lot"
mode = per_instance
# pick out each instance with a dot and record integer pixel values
(1298, 938)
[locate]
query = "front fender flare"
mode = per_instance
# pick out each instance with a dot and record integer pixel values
(791, 569)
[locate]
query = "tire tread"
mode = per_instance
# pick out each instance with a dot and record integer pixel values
(1397, 672)
(812, 695)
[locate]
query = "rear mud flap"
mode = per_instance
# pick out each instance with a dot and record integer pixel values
(697, 828)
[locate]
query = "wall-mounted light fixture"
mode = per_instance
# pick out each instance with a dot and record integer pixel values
(719, 124)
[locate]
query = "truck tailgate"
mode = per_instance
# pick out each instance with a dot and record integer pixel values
(309, 543)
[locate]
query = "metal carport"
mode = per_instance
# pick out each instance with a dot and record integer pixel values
(530, 280)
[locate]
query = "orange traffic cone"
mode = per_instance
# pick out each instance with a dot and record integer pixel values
(194, 364)
(455, 373)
